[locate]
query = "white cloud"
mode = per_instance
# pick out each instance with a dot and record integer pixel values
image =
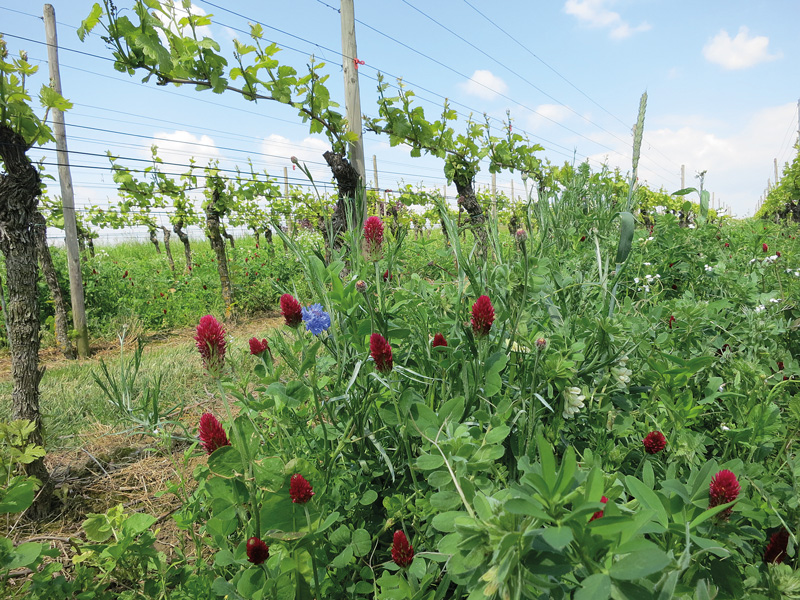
(546, 114)
(308, 151)
(740, 52)
(595, 13)
(738, 163)
(484, 84)
(179, 146)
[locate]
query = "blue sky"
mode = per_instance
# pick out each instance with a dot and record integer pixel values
(721, 78)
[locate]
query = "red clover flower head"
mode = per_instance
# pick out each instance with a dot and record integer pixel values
(210, 340)
(257, 551)
(764, 247)
(482, 316)
(257, 348)
(724, 488)
(599, 513)
(438, 340)
(402, 551)
(373, 238)
(211, 433)
(654, 442)
(381, 353)
(291, 310)
(776, 548)
(300, 491)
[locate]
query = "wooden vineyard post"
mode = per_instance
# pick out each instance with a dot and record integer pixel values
(67, 198)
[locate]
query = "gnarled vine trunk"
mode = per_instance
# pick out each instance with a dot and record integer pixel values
(184, 238)
(167, 249)
(214, 231)
(154, 239)
(19, 196)
(467, 199)
(59, 305)
(347, 181)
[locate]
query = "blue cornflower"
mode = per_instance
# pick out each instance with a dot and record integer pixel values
(316, 319)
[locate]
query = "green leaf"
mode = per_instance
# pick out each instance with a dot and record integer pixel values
(225, 462)
(50, 98)
(368, 498)
(361, 543)
(639, 565)
(707, 514)
(557, 537)
(430, 462)
(343, 558)
(138, 523)
(497, 434)
(627, 225)
(594, 587)
(445, 521)
(17, 498)
(494, 365)
(90, 22)
(24, 555)
(647, 498)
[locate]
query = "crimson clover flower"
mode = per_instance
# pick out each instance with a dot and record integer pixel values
(599, 513)
(386, 276)
(764, 247)
(654, 442)
(776, 548)
(257, 550)
(291, 310)
(482, 316)
(373, 238)
(438, 340)
(402, 551)
(671, 320)
(210, 340)
(257, 348)
(211, 433)
(300, 491)
(724, 488)
(316, 319)
(381, 353)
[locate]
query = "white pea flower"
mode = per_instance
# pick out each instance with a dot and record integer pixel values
(622, 375)
(775, 300)
(708, 269)
(650, 239)
(760, 308)
(647, 264)
(635, 280)
(658, 276)
(724, 427)
(573, 402)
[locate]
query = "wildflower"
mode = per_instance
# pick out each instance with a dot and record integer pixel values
(381, 352)
(635, 280)
(692, 225)
(671, 320)
(776, 548)
(402, 551)
(654, 442)
(291, 310)
(300, 490)
(316, 319)
(573, 402)
(764, 247)
(361, 286)
(521, 235)
(211, 433)
(708, 269)
(724, 488)
(583, 238)
(257, 348)
(373, 238)
(541, 344)
(647, 264)
(599, 513)
(622, 374)
(125, 275)
(438, 340)
(294, 160)
(386, 276)
(760, 308)
(482, 316)
(210, 340)
(727, 244)
(257, 551)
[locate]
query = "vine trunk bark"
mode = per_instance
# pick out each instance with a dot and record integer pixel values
(187, 248)
(20, 187)
(214, 227)
(167, 249)
(59, 305)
